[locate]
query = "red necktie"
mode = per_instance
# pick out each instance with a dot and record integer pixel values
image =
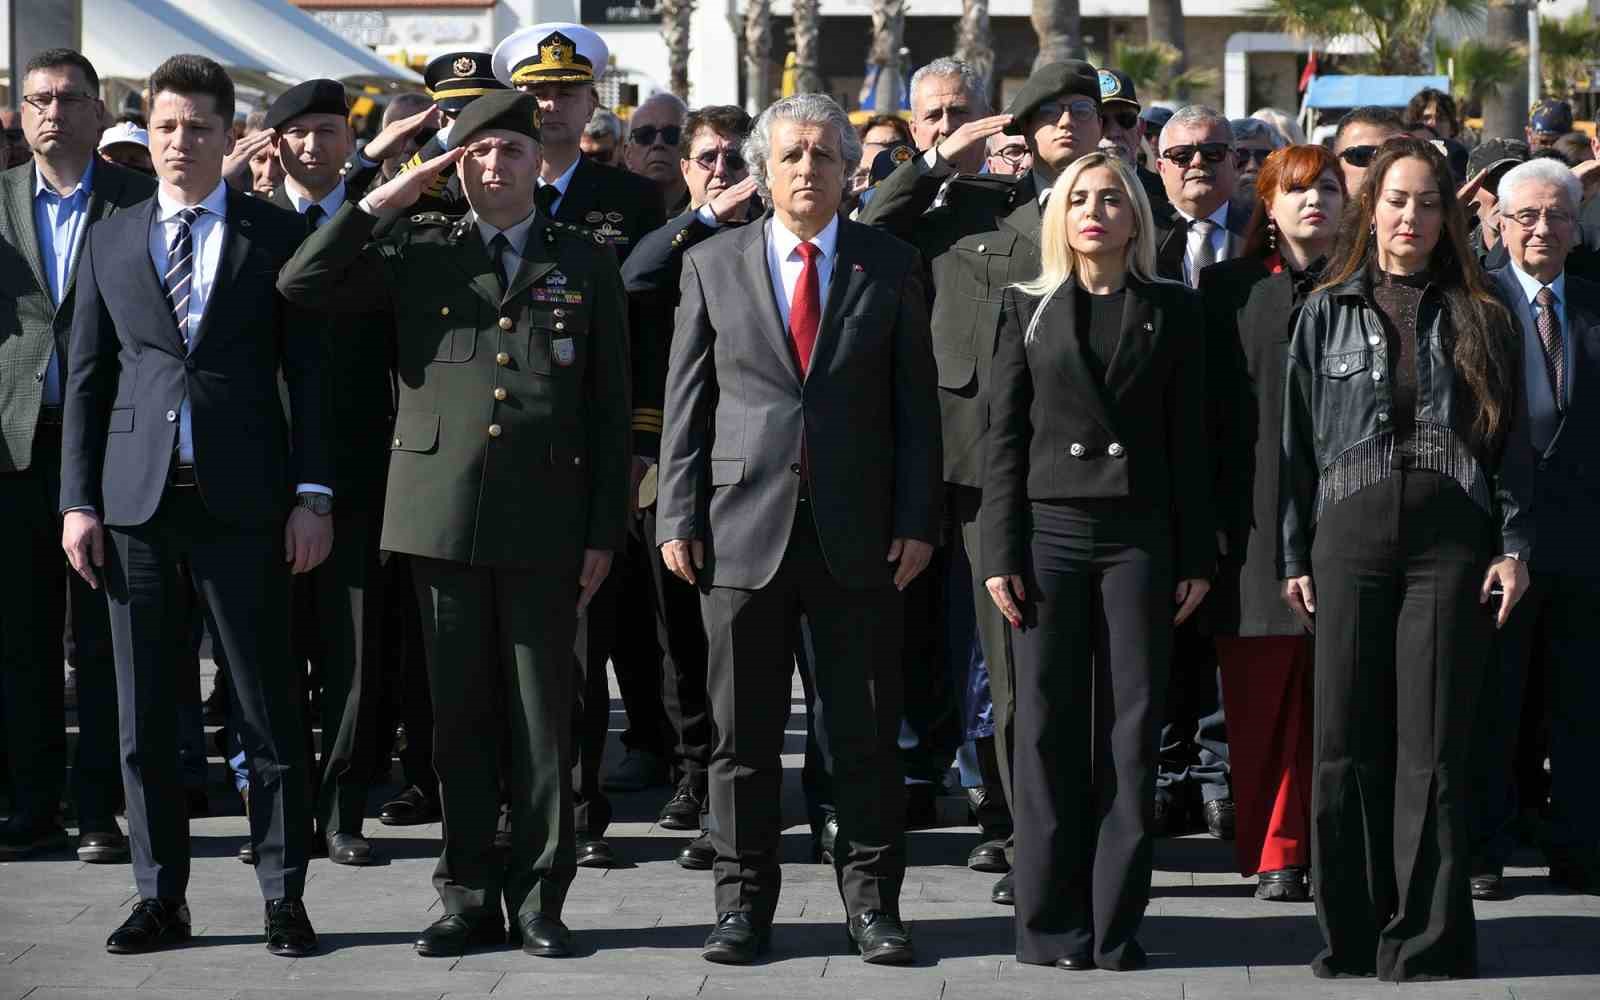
(805, 310)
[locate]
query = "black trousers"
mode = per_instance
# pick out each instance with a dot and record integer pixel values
(246, 586)
(596, 640)
(1091, 663)
(637, 657)
(1553, 626)
(931, 727)
(403, 694)
(681, 637)
(338, 612)
(994, 632)
(34, 595)
(1401, 645)
(856, 636)
(499, 653)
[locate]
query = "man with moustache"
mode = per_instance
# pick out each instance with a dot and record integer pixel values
(982, 237)
(1122, 129)
(655, 130)
(507, 487)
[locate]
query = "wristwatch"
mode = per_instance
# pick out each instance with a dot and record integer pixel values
(320, 504)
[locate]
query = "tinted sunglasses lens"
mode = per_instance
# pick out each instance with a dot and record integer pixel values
(731, 161)
(645, 135)
(1124, 119)
(1213, 152)
(1359, 156)
(1258, 155)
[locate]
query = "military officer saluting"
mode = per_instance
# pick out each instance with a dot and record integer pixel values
(508, 487)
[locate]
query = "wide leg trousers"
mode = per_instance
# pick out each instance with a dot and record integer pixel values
(1402, 646)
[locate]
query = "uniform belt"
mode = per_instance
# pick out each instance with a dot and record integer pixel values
(181, 475)
(49, 416)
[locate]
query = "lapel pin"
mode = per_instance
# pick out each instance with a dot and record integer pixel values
(858, 268)
(1149, 326)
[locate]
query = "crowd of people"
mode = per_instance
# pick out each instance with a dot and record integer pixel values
(1158, 471)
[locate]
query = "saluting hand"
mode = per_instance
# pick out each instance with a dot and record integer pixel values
(683, 557)
(596, 566)
(236, 165)
(730, 201)
(402, 191)
(392, 139)
(976, 131)
(1007, 593)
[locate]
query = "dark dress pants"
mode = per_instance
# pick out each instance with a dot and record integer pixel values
(338, 610)
(856, 635)
(638, 656)
(1401, 651)
(681, 636)
(241, 572)
(33, 612)
(994, 632)
(499, 652)
(1091, 662)
(404, 696)
(1553, 625)
(595, 641)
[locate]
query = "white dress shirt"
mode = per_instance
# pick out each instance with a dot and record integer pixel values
(784, 262)
(516, 238)
(331, 203)
(1219, 241)
(561, 184)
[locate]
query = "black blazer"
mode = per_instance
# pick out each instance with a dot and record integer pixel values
(1172, 237)
(738, 411)
(1058, 433)
(620, 206)
(129, 371)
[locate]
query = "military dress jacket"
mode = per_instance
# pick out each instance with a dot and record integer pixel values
(510, 446)
(618, 206)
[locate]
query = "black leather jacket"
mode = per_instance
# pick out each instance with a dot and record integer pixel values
(1336, 434)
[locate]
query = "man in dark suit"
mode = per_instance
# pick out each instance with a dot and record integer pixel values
(46, 206)
(981, 236)
(175, 440)
(1558, 316)
(507, 487)
(558, 63)
(800, 474)
(338, 607)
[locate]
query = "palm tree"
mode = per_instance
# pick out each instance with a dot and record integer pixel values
(1565, 48)
(1164, 23)
(757, 55)
(1154, 70)
(675, 17)
(1497, 71)
(975, 43)
(1397, 30)
(1482, 70)
(888, 35)
(1056, 23)
(807, 39)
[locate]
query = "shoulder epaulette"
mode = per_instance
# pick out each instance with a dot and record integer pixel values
(430, 219)
(576, 232)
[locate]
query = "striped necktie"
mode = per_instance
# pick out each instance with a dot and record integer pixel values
(180, 269)
(1549, 327)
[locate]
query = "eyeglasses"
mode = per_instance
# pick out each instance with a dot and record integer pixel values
(645, 135)
(1013, 153)
(1358, 156)
(1211, 152)
(1529, 218)
(1125, 120)
(707, 160)
(1242, 157)
(71, 102)
(1081, 111)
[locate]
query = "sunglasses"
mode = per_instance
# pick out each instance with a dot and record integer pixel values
(1358, 156)
(1210, 152)
(1243, 157)
(645, 135)
(1125, 120)
(1081, 111)
(707, 160)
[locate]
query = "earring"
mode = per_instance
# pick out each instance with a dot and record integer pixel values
(1272, 234)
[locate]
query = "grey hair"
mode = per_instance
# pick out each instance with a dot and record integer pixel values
(603, 123)
(671, 100)
(1280, 120)
(1196, 116)
(947, 67)
(403, 105)
(1543, 170)
(1251, 129)
(802, 109)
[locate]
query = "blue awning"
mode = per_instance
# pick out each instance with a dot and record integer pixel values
(1359, 91)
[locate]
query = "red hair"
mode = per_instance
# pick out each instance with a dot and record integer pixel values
(1285, 169)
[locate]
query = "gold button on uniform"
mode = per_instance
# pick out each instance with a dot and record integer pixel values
(502, 359)
(499, 392)
(494, 430)
(505, 322)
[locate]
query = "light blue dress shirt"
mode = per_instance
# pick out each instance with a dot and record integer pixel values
(1530, 288)
(60, 221)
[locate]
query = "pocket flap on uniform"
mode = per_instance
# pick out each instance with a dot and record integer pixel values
(1344, 364)
(727, 471)
(121, 421)
(955, 370)
(416, 432)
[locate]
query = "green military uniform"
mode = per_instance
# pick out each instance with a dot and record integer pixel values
(509, 459)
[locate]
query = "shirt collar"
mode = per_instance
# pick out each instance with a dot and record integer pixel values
(302, 202)
(216, 203)
(516, 235)
(1530, 284)
(561, 183)
(1220, 216)
(84, 186)
(784, 241)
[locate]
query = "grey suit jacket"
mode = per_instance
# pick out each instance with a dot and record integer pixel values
(30, 321)
(738, 411)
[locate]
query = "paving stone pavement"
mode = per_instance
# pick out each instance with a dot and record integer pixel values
(639, 928)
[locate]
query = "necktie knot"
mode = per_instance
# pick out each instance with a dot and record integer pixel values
(1204, 227)
(808, 251)
(1545, 298)
(314, 215)
(187, 216)
(546, 197)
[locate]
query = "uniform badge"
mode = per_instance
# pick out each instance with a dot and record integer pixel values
(565, 351)
(901, 154)
(555, 279)
(594, 217)
(1109, 84)
(613, 216)
(609, 233)
(465, 66)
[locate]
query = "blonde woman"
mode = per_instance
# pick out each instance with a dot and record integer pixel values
(1097, 528)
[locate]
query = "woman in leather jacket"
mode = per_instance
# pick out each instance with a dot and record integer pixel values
(1399, 496)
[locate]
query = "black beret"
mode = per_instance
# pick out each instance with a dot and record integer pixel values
(889, 159)
(313, 97)
(1068, 78)
(507, 110)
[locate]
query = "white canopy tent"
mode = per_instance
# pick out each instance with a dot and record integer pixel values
(276, 31)
(127, 39)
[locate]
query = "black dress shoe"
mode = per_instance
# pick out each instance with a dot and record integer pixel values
(454, 935)
(879, 938)
(103, 847)
(1076, 963)
(289, 932)
(154, 924)
(829, 839)
(1004, 892)
(544, 937)
(1283, 885)
(1219, 815)
(1489, 885)
(412, 807)
(737, 939)
(247, 852)
(699, 856)
(349, 849)
(682, 811)
(1132, 958)
(989, 856)
(593, 852)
